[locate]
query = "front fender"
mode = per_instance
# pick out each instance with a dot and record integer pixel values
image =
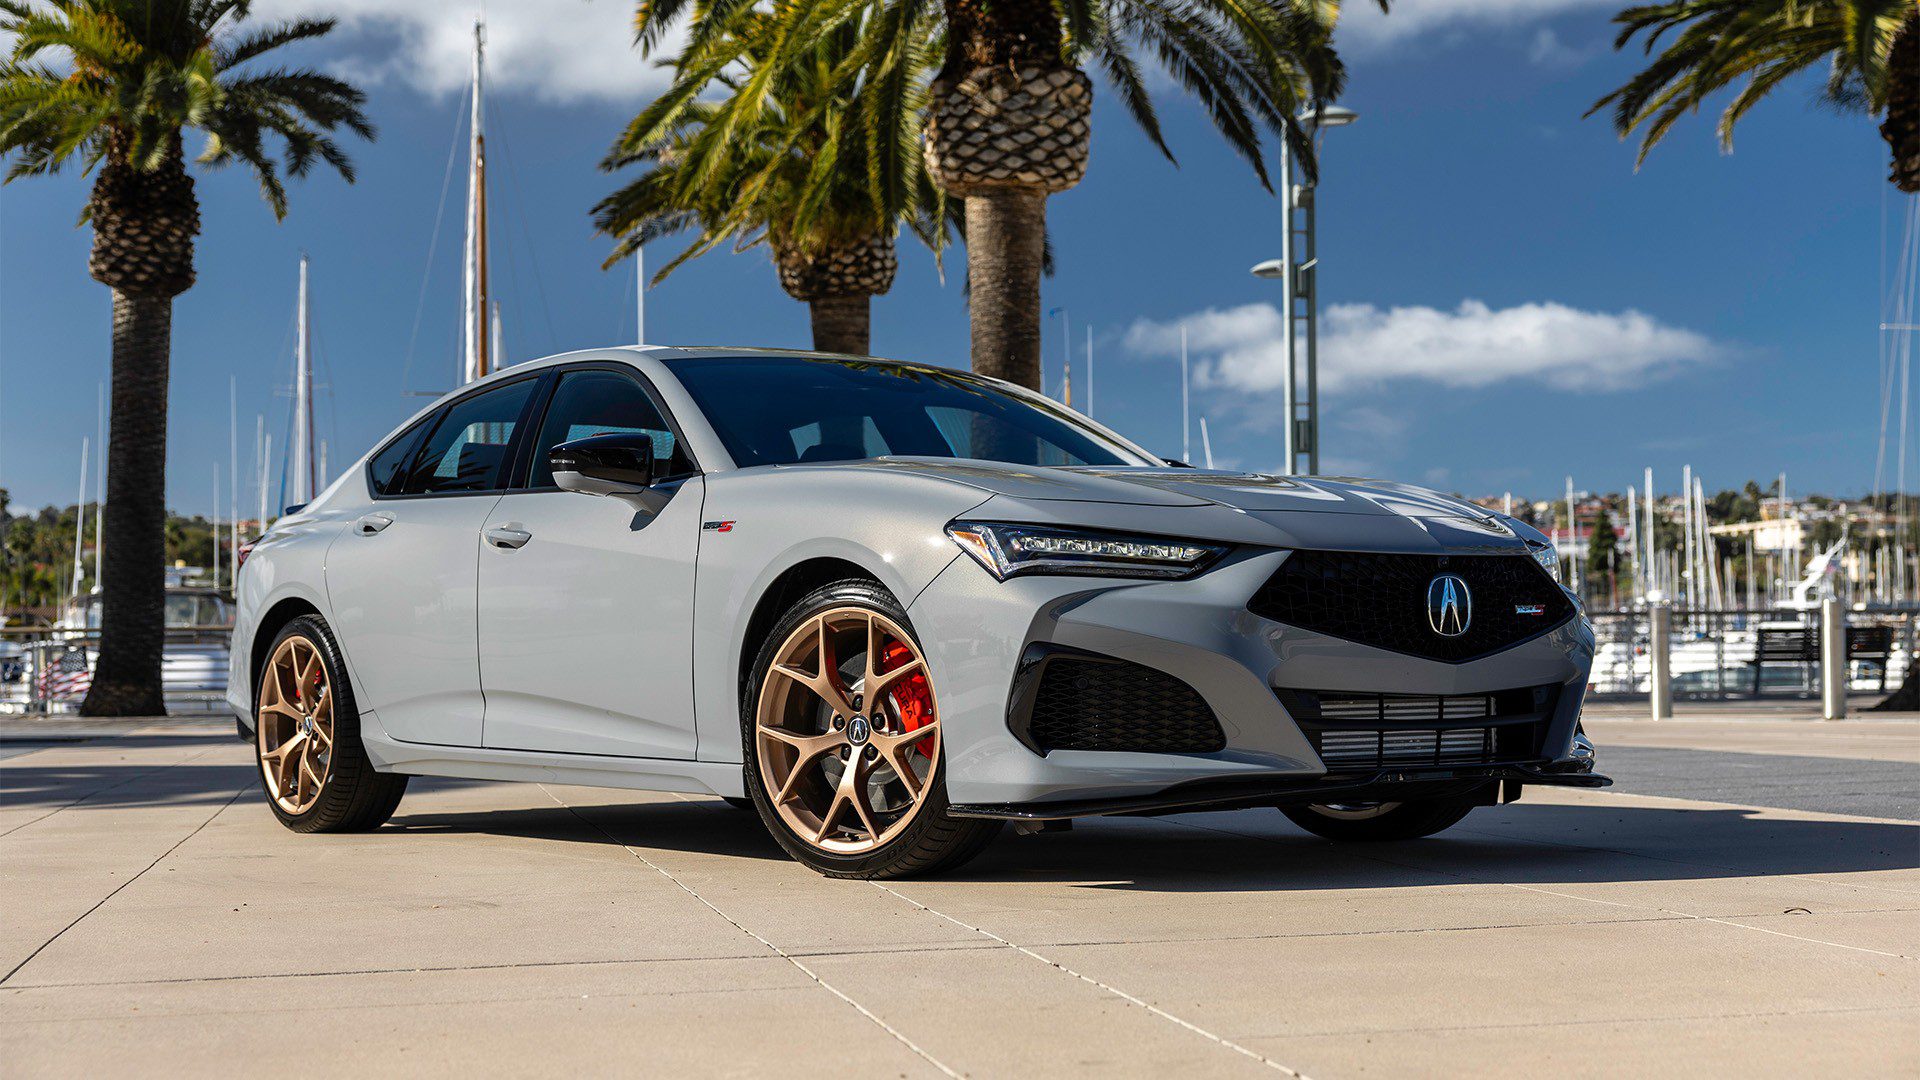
(761, 523)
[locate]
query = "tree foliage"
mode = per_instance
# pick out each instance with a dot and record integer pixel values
(1715, 45)
(85, 73)
(775, 153)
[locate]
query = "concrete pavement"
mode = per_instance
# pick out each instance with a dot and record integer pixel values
(155, 919)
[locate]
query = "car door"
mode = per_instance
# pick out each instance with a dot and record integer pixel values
(586, 602)
(402, 578)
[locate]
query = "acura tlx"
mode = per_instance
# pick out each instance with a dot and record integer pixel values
(889, 607)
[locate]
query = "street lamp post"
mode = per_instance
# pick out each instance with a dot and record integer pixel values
(1296, 271)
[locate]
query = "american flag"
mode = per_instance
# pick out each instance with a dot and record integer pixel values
(66, 676)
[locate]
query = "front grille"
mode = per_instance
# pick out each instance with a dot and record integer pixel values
(1378, 749)
(1381, 600)
(1353, 732)
(1111, 704)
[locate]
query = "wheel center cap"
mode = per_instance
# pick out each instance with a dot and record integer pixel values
(306, 725)
(857, 731)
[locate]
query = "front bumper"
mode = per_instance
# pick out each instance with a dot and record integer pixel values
(975, 629)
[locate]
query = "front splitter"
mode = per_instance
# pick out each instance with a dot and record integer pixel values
(1399, 785)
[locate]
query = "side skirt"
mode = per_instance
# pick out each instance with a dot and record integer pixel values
(530, 766)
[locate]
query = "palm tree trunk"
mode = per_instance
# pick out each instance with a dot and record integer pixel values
(1902, 126)
(126, 678)
(842, 324)
(1006, 246)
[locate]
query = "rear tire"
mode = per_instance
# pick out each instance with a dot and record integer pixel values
(313, 766)
(1370, 822)
(902, 833)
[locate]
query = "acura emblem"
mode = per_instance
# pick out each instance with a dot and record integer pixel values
(1449, 605)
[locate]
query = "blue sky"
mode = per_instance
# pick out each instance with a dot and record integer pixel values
(1507, 301)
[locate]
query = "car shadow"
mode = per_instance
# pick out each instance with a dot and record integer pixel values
(1253, 850)
(132, 785)
(1237, 851)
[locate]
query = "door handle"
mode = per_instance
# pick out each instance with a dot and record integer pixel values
(372, 523)
(502, 537)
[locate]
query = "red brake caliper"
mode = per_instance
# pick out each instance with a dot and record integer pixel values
(911, 697)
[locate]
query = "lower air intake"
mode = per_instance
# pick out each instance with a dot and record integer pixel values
(1111, 704)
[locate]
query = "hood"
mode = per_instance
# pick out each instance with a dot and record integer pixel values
(1294, 511)
(1145, 486)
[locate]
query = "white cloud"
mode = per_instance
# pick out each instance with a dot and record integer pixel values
(1547, 50)
(1473, 345)
(1363, 27)
(561, 51)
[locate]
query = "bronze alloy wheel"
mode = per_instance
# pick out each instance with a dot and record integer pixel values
(847, 731)
(295, 725)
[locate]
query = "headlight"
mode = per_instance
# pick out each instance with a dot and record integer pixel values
(1006, 550)
(1547, 557)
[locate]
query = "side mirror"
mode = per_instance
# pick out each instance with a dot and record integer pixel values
(620, 464)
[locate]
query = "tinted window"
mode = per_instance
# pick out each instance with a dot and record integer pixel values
(587, 403)
(387, 471)
(776, 410)
(467, 448)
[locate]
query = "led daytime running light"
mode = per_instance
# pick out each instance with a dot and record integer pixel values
(1006, 550)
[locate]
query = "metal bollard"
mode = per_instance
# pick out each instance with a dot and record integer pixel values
(1660, 660)
(1833, 660)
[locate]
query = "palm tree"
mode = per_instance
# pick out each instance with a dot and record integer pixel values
(1007, 113)
(783, 164)
(112, 86)
(1871, 49)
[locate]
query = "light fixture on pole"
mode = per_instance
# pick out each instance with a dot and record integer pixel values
(1295, 270)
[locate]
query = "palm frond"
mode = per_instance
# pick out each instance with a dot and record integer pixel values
(1748, 48)
(146, 71)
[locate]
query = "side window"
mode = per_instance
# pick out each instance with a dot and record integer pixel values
(467, 448)
(587, 403)
(387, 471)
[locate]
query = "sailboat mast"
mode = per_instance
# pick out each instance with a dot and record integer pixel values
(477, 352)
(80, 519)
(100, 492)
(302, 400)
(1186, 441)
(233, 479)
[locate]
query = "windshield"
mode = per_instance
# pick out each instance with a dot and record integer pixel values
(183, 609)
(785, 410)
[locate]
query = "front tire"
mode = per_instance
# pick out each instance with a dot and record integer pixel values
(313, 766)
(1369, 822)
(841, 732)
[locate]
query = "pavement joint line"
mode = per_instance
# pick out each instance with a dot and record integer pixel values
(428, 969)
(1662, 917)
(1711, 919)
(435, 969)
(1590, 1022)
(1592, 900)
(116, 889)
(898, 1035)
(1114, 990)
(109, 787)
(417, 1003)
(1615, 794)
(1743, 871)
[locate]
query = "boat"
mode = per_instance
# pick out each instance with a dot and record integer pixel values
(194, 662)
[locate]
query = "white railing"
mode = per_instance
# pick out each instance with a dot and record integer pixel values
(48, 669)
